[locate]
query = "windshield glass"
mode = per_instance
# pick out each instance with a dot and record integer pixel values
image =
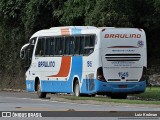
(29, 52)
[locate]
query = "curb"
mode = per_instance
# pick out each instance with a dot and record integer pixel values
(13, 90)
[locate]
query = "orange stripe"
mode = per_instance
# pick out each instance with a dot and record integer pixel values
(65, 67)
(65, 31)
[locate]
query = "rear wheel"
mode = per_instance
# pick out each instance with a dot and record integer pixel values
(40, 94)
(88, 95)
(76, 89)
(119, 96)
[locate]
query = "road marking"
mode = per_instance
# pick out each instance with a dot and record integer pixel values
(53, 101)
(40, 109)
(44, 100)
(32, 109)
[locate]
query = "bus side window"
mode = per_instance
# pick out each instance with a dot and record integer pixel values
(67, 40)
(71, 45)
(92, 40)
(40, 47)
(59, 45)
(92, 43)
(76, 45)
(82, 42)
(89, 44)
(61, 51)
(52, 44)
(47, 47)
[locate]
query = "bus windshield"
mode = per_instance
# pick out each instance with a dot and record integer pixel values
(27, 52)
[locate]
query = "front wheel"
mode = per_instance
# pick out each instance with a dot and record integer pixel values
(76, 89)
(40, 94)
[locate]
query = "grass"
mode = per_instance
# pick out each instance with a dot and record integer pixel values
(145, 98)
(150, 93)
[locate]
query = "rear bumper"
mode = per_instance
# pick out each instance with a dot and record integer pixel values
(114, 87)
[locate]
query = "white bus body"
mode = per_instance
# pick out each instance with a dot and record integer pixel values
(86, 60)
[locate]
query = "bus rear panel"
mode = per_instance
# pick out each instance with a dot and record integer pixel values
(123, 55)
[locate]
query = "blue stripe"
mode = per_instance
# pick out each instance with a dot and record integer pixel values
(101, 87)
(132, 87)
(87, 88)
(64, 86)
(76, 67)
(75, 31)
(30, 85)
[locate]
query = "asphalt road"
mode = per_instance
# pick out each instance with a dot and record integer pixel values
(22, 101)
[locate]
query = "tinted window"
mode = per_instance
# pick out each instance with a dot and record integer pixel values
(40, 49)
(59, 45)
(77, 45)
(50, 46)
(65, 45)
(82, 43)
(89, 44)
(69, 45)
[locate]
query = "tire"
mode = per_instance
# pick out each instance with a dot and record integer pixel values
(39, 93)
(119, 96)
(76, 89)
(93, 95)
(87, 95)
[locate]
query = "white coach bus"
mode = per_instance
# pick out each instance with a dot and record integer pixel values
(86, 60)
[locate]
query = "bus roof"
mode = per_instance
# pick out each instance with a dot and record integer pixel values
(70, 30)
(64, 30)
(73, 27)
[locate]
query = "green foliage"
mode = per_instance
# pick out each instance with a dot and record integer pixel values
(11, 12)
(38, 15)
(74, 11)
(109, 13)
(58, 11)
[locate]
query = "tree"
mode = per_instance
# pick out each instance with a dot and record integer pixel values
(38, 15)
(74, 13)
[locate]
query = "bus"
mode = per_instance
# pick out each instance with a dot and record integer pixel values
(86, 60)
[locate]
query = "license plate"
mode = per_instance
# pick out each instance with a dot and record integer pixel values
(122, 86)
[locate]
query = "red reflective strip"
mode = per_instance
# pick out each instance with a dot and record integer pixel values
(65, 31)
(123, 47)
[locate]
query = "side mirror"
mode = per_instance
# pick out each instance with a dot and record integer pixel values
(22, 54)
(23, 51)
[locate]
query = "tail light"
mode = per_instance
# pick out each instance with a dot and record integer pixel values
(144, 75)
(100, 75)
